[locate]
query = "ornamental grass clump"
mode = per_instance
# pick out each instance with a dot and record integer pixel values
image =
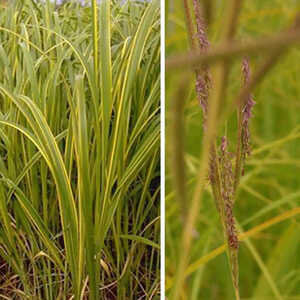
(79, 150)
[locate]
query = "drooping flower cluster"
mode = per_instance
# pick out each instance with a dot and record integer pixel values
(202, 90)
(202, 39)
(203, 78)
(227, 193)
(246, 112)
(223, 177)
(221, 173)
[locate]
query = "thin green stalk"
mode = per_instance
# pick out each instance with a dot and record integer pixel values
(178, 164)
(187, 233)
(234, 49)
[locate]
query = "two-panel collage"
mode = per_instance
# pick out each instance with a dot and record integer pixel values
(150, 149)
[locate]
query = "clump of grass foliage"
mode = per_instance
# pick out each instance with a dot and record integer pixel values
(217, 158)
(79, 150)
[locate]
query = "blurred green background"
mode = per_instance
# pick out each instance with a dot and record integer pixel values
(269, 261)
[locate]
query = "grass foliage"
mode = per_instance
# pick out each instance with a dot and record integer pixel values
(79, 150)
(268, 199)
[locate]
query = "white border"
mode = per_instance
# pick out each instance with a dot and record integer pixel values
(162, 149)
